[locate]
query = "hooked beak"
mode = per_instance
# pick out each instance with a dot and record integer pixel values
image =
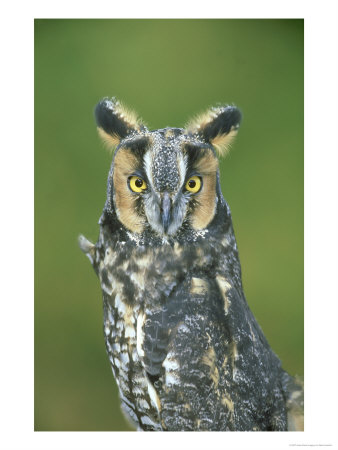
(165, 211)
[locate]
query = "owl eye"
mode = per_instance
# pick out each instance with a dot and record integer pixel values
(194, 184)
(136, 184)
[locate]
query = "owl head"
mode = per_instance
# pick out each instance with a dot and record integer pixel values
(164, 181)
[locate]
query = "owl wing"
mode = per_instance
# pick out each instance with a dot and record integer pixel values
(185, 343)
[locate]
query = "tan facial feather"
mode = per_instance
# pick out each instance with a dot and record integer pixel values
(222, 142)
(205, 210)
(124, 165)
(110, 140)
(206, 199)
(207, 164)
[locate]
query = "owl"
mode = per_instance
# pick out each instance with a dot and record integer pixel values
(184, 347)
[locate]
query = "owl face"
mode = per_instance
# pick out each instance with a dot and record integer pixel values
(165, 180)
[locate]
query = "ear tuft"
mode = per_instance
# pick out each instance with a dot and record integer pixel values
(218, 126)
(115, 122)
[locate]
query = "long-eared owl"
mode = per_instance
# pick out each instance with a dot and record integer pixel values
(185, 349)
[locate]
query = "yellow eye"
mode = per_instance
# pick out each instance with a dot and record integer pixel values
(194, 184)
(136, 184)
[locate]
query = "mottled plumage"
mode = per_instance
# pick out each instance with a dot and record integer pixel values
(185, 349)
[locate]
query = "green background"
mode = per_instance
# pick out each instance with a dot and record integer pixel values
(167, 70)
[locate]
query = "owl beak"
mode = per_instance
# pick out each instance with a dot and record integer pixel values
(166, 211)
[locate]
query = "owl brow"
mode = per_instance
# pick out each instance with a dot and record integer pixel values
(138, 145)
(201, 158)
(147, 160)
(139, 172)
(182, 167)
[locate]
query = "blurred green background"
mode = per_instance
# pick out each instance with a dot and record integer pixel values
(167, 70)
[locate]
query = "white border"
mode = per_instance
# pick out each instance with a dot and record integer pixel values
(17, 379)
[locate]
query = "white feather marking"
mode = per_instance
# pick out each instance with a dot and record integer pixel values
(148, 166)
(105, 287)
(136, 279)
(124, 358)
(140, 334)
(119, 325)
(154, 397)
(137, 391)
(124, 375)
(107, 329)
(183, 328)
(120, 305)
(182, 167)
(117, 363)
(110, 316)
(116, 347)
(130, 332)
(143, 404)
(146, 421)
(171, 379)
(170, 365)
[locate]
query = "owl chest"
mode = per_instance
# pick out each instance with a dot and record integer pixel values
(135, 286)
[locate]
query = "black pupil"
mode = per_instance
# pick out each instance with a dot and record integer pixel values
(139, 183)
(192, 184)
